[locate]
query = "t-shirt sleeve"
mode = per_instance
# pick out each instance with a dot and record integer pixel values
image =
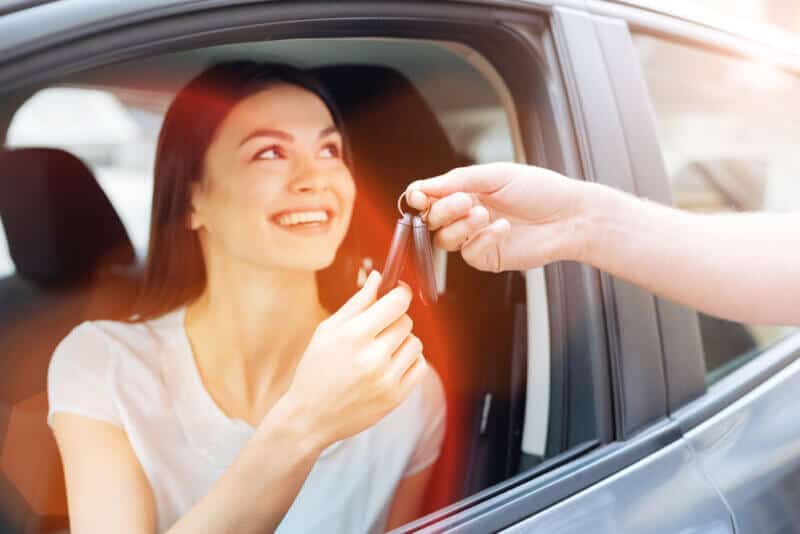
(434, 409)
(78, 376)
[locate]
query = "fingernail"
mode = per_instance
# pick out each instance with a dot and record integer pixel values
(417, 198)
(407, 287)
(373, 277)
(502, 224)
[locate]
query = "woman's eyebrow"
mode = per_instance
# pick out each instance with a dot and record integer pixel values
(286, 136)
(267, 132)
(328, 131)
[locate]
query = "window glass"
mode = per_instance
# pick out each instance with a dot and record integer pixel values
(118, 143)
(728, 130)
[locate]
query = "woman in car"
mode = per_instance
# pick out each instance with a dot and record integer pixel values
(234, 401)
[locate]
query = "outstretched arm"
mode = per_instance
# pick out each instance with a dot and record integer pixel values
(742, 267)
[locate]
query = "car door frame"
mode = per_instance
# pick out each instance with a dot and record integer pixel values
(114, 34)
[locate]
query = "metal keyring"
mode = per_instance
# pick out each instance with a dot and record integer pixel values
(423, 215)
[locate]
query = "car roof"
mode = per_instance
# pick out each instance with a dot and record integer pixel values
(698, 14)
(31, 25)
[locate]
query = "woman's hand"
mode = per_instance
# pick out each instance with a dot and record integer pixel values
(361, 363)
(503, 216)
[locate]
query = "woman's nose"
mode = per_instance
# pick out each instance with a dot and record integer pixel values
(308, 179)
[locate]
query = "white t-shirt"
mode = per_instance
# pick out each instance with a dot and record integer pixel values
(143, 378)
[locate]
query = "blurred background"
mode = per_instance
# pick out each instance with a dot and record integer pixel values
(782, 14)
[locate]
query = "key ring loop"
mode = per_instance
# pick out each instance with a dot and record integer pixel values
(423, 215)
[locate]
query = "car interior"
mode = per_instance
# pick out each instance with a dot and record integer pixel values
(74, 259)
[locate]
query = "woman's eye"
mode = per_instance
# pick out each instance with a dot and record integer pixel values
(329, 151)
(272, 152)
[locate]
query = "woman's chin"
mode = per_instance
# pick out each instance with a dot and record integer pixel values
(312, 264)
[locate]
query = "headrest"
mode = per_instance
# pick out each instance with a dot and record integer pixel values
(59, 224)
(396, 137)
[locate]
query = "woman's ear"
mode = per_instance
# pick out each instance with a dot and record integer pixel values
(193, 221)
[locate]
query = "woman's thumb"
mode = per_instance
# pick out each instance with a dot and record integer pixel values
(362, 299)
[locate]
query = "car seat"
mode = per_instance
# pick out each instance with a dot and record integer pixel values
(396, 138)
(72, 256)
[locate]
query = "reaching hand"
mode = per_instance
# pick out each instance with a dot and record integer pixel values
(502, 215)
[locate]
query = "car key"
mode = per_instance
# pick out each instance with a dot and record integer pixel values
(410, 231)
(423, 261)
(396, 255)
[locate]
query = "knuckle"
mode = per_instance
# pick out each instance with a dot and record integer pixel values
(415, 345)
(444, 242)
(392, 392)
(352, 333)
(372, 369)
(385, 384)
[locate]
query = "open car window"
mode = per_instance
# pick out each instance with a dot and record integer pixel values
(412, 109)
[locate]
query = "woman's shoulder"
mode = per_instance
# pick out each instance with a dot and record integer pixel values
(431, 390)
(104, 340)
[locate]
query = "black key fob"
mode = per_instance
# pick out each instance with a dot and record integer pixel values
(423, 261)
(397, 254)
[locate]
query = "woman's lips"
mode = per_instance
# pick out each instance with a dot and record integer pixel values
(304, 221)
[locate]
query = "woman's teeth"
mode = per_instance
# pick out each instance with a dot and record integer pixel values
(301, 217)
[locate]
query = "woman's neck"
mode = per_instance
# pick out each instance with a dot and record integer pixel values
(248, 331)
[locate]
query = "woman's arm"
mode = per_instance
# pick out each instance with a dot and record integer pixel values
(255, 493)
(407, 502)
(108, 490)
(742, 267)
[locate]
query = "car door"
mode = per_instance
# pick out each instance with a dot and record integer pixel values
(662, 488)
(727, 119)
(715, 133)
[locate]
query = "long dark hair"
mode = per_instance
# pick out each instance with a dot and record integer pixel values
(175, 270)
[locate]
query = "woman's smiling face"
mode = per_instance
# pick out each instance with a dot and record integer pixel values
(275, 191)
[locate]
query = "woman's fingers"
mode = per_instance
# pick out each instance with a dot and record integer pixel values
(361, 300)
(413, 375)
(385, 311)
(452, 236)
(388, 341)
(483, 250)
(404, 357)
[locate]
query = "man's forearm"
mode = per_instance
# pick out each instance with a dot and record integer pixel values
(742, 267)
